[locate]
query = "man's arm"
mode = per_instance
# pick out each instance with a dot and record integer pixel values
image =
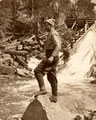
(57, 42)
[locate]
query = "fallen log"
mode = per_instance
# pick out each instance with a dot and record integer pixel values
(21, 62)
(24, 73)
(29, 42)
(14, 52)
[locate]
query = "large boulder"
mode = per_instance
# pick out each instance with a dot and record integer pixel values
(42, 109)
(7, 70)
(67, 107)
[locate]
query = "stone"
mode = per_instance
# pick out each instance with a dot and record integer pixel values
(92, 71)
(19, 47)
(40, 56)
(7, 70)
(1, 61)
(68, 107)
(15, 64)
(20, 72)
(42, 109)
(8, 61)
(78, 117)
(6, 56)
(24, 72)
(28, 48)
(17, 117)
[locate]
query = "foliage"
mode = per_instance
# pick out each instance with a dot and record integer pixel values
(5, 18)
(17, 9)
(85, 9)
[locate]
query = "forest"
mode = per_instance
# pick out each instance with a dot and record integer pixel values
(22, 38)
(22, 32)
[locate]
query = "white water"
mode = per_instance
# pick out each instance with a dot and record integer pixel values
(81, 61)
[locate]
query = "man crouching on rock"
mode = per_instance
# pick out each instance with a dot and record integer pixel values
(48, 65)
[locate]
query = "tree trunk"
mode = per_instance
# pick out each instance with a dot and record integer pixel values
(61, 19)
(14, 52)
(21, 62)
(13, 2)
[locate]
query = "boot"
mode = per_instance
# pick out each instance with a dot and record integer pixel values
(53, 99)
(93, 82)
(41, 92)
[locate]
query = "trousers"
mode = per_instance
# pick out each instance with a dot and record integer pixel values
(51, 74)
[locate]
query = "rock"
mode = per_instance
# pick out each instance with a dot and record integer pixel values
(40, 56)
(43, 109)
(34, 43)
(27, 72)
(92, 71)
(12, 45)
(1, 53)
(68, 107)
(78, 117)
(29, 42)
(15, 64)
(2, 47)
(1, 61)
(8, 61)
(14, 117)
(20, 60)
(28, 48)
(20, 72)
(6, 56)
(32, 63)
(7, 70)
(23, 72)
(19, 47)
(17, 117)
(36, 47)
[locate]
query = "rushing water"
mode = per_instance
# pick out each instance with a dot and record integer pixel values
(15, 95)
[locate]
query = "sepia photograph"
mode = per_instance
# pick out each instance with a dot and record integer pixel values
(47, 59)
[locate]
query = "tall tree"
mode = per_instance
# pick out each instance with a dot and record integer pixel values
(85, 9)
(5, 16)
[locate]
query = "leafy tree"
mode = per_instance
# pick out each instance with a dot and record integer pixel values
(84, 9)
(5, 17)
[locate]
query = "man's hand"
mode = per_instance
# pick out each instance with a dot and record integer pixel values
(50, 59)
(45, 59)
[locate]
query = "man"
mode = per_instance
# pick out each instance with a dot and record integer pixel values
(52, 48)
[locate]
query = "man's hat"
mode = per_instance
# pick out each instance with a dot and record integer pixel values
(50, 21)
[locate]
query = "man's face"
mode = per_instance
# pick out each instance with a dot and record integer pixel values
(47, 27)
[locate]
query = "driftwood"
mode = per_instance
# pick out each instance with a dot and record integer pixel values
(14, 52)
(21, 62)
